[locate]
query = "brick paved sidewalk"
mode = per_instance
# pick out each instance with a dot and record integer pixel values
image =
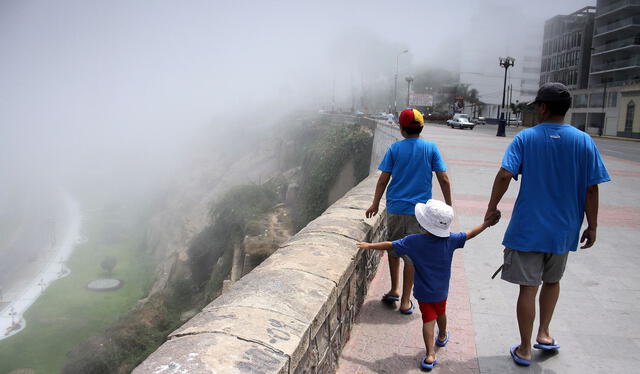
(384, 341)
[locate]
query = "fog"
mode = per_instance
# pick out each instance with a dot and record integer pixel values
(94, 87)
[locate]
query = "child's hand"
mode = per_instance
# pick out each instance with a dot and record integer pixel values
(372, 211)
(362, 245)
(493, 218)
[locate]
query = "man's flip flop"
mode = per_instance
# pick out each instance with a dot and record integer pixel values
(517, 359)
(428, 366)
(410, 310)
(389, 299)
(442, 343)
(547, 347)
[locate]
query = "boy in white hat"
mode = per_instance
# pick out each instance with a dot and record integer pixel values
(432, 254)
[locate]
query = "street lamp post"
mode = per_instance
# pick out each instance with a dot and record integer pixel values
(395, 89)
(506, 63)
(604, 109)
(409, 79)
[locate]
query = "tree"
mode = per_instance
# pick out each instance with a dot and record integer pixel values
(108, 264)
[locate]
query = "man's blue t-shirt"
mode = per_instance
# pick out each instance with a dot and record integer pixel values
(557, 162)
(431, 256)
(411, 163)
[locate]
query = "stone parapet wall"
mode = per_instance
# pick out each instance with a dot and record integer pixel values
(385, 134)
(293, 313)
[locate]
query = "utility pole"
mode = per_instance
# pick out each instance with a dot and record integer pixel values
(395, 87)
(409, 79)
(604, 110)
(509, 109)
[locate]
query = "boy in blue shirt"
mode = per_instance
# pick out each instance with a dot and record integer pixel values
(409, 164)
(432, 254)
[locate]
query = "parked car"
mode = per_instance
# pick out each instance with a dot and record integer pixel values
(514, 122)
(479, 121)
(461, 123)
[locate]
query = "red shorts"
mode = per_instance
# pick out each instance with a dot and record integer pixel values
(431, 311)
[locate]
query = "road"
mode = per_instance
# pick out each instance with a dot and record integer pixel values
(624, 149)
(596, 317)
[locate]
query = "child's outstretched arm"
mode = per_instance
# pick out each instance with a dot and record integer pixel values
(491, 220)
(380, 246)
(380, 187)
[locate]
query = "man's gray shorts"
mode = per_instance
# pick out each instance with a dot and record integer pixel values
(399, 226)
(533, 268)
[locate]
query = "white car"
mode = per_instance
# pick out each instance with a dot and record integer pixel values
(461, 123)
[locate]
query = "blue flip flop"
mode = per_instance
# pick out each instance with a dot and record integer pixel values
(444, 342)
(428, 366)
(389, 299)
(517, 359)
(547, 347)
(410, 310)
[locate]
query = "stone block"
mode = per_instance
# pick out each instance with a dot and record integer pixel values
(293, 293)
(282, 333)
(340, 224)
(321, 340)
(212, 353)
(331, 261)
(323, 239)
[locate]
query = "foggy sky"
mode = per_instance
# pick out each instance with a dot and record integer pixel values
(98, 85)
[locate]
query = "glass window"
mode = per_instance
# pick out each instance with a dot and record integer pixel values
(613, 99)
(628, 123)
(580, 101)
(595, 100)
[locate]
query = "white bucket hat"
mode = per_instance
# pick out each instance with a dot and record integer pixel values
(435, 217)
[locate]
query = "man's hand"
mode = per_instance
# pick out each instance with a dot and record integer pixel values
(363, 245)
(490, 214)
(372, 211)
(492, 218)
(589, 235)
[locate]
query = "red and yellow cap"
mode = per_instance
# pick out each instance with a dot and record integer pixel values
(411, 118)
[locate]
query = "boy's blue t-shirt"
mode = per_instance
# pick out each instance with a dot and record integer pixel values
(557, 162)
(431, 256)
(411, 163)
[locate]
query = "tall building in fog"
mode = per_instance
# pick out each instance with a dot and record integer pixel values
(610, 103)
(566, 48)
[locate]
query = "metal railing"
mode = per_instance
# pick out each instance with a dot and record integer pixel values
(619, 24)
(614, 6)
(616, 45)
(629, 62)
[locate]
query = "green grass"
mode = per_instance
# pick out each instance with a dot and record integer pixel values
(68, 313)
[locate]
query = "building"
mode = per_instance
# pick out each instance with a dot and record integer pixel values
(607, 106)
(566, 48)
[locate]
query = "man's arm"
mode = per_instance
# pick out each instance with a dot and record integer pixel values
(380, 187)
(591, 211)
(500, 186)
(445, 185)
(493, 218)
(379, 246)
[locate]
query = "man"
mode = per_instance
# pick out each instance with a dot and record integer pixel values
(561, 169)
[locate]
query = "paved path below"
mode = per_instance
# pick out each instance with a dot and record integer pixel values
(596, 319)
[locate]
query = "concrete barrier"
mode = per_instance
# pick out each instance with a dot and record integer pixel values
(293, 313)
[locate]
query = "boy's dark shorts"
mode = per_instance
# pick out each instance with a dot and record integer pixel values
(533, 268)
(399, 226)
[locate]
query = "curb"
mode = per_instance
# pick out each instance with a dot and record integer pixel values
(615, 138)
